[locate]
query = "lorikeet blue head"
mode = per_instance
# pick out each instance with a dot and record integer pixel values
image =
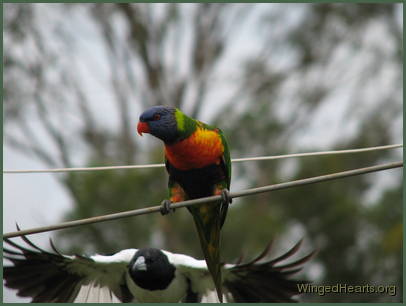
(166, 123)
(159, 121)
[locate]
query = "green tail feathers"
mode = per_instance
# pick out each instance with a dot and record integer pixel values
(208, 226)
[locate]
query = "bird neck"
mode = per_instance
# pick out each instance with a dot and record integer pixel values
(185, 125)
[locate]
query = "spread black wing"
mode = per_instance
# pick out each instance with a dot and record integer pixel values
(53, 277)
(266, 281)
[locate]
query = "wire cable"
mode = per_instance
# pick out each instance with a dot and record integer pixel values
(252, 191)
(236, 160)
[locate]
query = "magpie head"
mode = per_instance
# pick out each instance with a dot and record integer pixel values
(150, 269)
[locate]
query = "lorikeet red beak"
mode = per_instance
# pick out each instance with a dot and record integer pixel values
(198, 162)
(142, 127)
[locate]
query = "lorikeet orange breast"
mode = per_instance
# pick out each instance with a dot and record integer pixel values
(202, 148)
(198, 163)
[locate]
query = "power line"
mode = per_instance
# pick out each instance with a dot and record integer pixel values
(236, 160)
(252, 191)
(337, 152)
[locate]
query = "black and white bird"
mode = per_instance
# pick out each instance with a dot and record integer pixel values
(145, 275)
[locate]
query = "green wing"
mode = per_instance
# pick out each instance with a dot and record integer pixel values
(226, 160)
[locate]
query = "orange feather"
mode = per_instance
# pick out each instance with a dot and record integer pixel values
(202, 148)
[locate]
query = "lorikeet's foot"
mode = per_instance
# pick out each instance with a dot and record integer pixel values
(166, 207)
(225, 196)
(198, 161)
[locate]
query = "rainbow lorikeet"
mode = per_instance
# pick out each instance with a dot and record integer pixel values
(199, 165)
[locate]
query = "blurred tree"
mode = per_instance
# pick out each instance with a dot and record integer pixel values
(313, 76)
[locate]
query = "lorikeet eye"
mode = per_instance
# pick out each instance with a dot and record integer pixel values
(157, 117)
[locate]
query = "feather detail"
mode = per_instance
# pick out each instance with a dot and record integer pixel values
(204, 147)
(263, 280)
(54, 277)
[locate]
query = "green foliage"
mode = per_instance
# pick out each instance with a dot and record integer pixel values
(106, 192)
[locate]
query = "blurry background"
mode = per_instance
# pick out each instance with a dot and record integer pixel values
(276, 78)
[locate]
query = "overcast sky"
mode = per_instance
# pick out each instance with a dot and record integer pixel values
(34, 200)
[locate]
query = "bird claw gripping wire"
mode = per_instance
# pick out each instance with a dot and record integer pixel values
(225, 196)
(166, 207)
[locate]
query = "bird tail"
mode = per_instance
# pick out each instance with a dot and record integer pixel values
(208, 227)
(260, 281)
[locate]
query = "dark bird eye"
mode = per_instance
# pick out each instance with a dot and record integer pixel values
(157, 117)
